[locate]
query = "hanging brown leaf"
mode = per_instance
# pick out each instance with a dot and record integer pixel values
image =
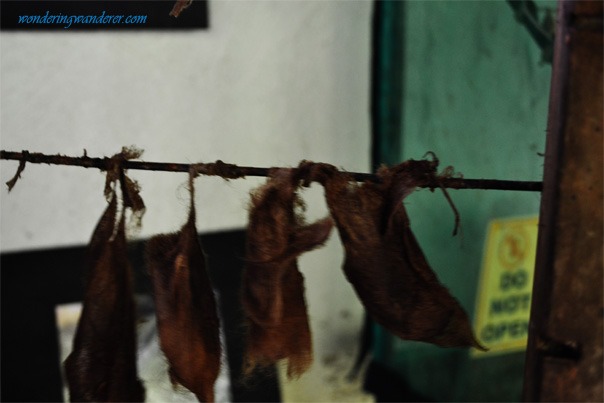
(179, 6)
(186, 311)
(384, 262)
(273, 287)
(102, 365)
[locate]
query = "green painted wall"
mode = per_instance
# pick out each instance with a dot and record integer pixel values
(474, 92)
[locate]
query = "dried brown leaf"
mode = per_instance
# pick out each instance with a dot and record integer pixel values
(102, 365)
(11, 183)
(273, 287)
(186, 310)
(384, 262)
(179, 6)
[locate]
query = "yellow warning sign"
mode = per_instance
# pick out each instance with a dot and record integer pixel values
(506, 283)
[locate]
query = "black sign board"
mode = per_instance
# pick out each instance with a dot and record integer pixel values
(65, 15)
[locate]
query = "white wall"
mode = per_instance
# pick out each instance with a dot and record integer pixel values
(270, 83)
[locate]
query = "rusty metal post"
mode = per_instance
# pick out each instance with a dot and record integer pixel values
(564, 353)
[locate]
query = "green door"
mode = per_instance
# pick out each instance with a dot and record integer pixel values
(467, 81)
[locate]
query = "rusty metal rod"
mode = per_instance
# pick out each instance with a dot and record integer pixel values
(233, 171)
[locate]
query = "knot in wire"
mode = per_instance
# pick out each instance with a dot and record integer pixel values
(130, 188)
(218, 168)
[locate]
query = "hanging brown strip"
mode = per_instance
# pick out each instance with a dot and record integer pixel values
(11, 183)
(102, 365)
(185, 307)
(384, 262)
(179, 6)
(273, 287)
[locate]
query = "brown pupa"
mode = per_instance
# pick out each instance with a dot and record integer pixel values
(185, 307)
(273, 287)
(384, 262)
(102, 365)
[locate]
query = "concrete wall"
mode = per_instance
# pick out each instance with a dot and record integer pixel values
(270, 83)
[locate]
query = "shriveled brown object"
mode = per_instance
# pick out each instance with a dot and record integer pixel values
(273, 287)
(102, 365)
(186, 310)
(179, 6)
(384, 262)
